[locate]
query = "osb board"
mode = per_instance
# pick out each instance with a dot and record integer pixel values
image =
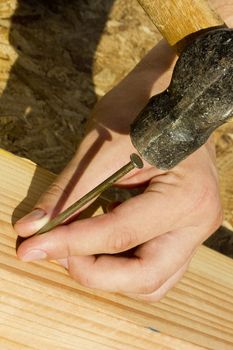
(56, 59)
(42, 308)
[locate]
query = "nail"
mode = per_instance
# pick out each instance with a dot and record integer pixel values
(135, 162)
(35, 215)
(34, 255)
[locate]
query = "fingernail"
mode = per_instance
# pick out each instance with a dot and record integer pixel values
(35, 215)
(34, 255)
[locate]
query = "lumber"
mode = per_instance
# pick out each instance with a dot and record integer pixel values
(41, 307)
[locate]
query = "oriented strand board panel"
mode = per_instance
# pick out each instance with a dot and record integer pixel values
(57, 58)
(41, 307)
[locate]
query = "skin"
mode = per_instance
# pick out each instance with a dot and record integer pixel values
(164, 225)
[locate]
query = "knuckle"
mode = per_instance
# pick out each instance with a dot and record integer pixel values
(208, 208)
(55, 190)
(73, 272)
(150, 284)
(208, 199)
(203, 198)
(153, 298)
(120, 241)
(85, 281)
(212, 207)
(218, 217)
(80, 277)
(216, 220)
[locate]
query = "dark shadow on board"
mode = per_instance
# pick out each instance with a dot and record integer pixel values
(50, 91)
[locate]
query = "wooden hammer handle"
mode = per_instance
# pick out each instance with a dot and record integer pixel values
(176, 19)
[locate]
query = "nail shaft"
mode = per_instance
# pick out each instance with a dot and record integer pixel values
(135, 162)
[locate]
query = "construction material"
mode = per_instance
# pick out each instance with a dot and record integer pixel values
(47, 97)
(41, 307)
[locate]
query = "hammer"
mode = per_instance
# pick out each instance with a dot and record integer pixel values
(199, 98)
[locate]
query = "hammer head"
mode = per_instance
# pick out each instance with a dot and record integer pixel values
(199, 99)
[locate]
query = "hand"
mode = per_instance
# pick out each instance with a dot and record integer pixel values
(162, 227)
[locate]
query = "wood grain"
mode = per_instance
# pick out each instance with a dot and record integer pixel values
(41, 307)
(176, 19)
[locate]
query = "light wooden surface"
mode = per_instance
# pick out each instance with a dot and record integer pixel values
(176, 19)
(42, 308)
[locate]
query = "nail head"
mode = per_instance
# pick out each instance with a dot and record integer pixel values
(136, 160)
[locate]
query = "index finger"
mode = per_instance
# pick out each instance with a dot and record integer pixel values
(132, 223)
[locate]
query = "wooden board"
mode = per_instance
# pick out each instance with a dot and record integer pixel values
(41, 307)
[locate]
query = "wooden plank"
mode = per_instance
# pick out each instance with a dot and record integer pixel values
(42, 307)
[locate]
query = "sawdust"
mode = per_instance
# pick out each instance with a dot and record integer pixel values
(57, 58)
